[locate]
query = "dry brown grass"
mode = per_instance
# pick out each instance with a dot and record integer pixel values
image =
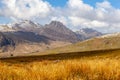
(83, 68)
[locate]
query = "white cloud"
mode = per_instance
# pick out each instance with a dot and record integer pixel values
(76, 21)
(76, 14)
(104, 15)
(25, 9)
(79, 9)
(98, 23)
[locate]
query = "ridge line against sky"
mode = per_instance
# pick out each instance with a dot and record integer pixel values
(102, 15)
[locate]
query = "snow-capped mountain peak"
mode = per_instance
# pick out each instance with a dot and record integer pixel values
(25, 25)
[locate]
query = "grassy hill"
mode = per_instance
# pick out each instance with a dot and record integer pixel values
(99, 43)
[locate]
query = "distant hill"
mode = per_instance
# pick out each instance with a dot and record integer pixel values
(88, 33)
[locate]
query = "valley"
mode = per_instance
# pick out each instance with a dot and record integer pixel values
(29, 51)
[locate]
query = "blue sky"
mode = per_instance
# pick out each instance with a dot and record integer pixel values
(62, 3)
(57, 3)
(76, 14)
(4, 20)
(115, 3)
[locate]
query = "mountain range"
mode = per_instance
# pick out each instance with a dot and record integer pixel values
(28, 37)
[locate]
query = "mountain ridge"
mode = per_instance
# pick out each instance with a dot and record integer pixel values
(27, 34)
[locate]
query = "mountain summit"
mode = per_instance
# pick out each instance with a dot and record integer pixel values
(26, 25)
(57, 31)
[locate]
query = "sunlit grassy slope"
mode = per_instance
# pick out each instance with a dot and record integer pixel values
(98, 65)
(89, 45)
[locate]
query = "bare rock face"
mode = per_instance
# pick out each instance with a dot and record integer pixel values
(57, 31)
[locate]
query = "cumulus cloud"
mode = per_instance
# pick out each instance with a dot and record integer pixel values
(25, 9)
(103, 15)
(76, 14)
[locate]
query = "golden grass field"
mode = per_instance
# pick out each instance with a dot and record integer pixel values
(96, 65)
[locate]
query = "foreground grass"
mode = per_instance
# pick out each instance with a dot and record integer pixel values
(97, 67)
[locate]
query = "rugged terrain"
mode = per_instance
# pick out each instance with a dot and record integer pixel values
(92, 59)
(27, 37)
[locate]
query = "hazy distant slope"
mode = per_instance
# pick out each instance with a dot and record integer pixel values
(88, 33)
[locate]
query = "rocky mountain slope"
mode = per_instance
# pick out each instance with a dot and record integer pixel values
(28, 37)
(20, 42)
(59, 32)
